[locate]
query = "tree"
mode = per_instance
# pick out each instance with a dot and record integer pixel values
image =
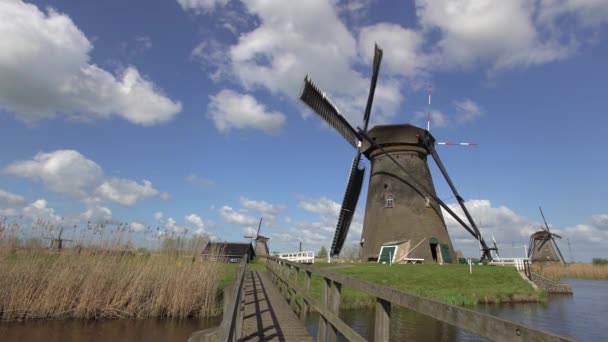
(322, 252)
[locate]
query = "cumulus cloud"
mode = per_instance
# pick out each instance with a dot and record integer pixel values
(39, 210)
(128, 192)
(230, 110)
(267, 210)
(45, 71)
(10, 198)
(69, 172)
(600, 221)
(232, 216)
(197, 221)
(96, 213)
(438, 119)
(201, 6)
(63, 171)
(136, 227)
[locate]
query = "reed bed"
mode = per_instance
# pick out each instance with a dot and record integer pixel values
(575, 270)
(104, 281)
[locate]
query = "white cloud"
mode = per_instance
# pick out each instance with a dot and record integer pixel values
(201, 182)
(600, 221)
(201, 6)
(128, 192)
(10, 198)
(64, 171)
(197, 221)
(249, 231)
(232, 216)
(401, 47)
(158, 216)
(324, 207)
(136, 227)
(438, 119)
(39, 210)
(267, 210)
(8, 212)
(502, 34)
(69, 172)
(468, 109)
(96, 213)
(231, 110)
(45, 71)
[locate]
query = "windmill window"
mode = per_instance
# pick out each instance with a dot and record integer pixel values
(389, 201)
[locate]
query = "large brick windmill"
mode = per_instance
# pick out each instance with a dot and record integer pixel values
(402, 206)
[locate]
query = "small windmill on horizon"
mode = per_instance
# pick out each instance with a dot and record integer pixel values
(261, 242)
(57, 242)
(543, 247)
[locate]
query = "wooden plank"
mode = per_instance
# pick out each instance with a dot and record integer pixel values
(267, 316)
(322, 329)
(334, 307)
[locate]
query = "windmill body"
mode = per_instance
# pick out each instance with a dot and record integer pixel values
(261, 245)
(396, 210)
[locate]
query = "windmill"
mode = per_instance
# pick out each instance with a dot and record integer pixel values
(261, 242)
(57, 243)
(542, 245)
(402, 205)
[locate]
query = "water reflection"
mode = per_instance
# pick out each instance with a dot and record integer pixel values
(120, 330)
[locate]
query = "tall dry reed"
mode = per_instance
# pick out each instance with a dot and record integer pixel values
(101, 282)
(576, 270)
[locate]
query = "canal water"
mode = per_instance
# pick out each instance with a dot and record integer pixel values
(119, 330)
(581, 316)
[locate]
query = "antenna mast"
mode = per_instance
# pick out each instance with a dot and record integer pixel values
(428, 117)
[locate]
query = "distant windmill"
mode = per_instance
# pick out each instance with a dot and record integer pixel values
(57, 243)
(542, 246)
(261, 242)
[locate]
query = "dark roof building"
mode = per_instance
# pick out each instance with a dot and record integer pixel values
(229, 251)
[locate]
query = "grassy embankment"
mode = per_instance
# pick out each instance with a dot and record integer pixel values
(576, 270)
(450, 284)
(104, 281)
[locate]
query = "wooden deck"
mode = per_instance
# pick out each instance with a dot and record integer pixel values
(267, 315)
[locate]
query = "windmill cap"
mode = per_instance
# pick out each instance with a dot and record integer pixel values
(390, 135)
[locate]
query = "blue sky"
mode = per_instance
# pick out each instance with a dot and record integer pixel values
(122, 111)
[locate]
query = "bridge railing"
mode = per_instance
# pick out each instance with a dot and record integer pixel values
(303, 257)
(286, 275)
(232, 320)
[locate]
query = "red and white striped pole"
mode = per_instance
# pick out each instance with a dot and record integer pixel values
(428, 122)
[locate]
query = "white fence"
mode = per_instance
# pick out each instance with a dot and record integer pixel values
(302, 257)
(517, 262)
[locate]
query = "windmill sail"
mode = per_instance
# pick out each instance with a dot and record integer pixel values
(351, 197)
(320, 104)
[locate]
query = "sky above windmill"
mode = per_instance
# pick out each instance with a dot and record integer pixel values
(183, 114)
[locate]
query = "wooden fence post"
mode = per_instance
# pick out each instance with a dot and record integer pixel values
(383, 320)
(322, 331)
(304, 311)
(334, 307)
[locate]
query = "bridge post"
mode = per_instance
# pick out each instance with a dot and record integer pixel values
(304, 311)
(322, 331)
(383, 320)
(334, 307)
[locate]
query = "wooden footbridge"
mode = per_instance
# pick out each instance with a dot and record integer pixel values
(272, 305)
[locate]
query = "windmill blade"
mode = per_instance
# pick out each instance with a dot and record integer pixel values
(320, 104)
(543, 215)
(372, 86)
(259, 226)
(556, 235)
(349, 203)
(558, 251)
(449, 143)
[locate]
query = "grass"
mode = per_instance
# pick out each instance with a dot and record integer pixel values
(450, 284)
(576, 270)
(105, 280)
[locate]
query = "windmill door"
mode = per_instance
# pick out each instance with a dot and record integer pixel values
(386, 254)
(445, 252)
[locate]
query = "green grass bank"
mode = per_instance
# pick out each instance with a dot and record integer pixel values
(450, 284)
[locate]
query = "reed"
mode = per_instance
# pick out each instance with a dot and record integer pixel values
(574, 270)
(109, 280)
